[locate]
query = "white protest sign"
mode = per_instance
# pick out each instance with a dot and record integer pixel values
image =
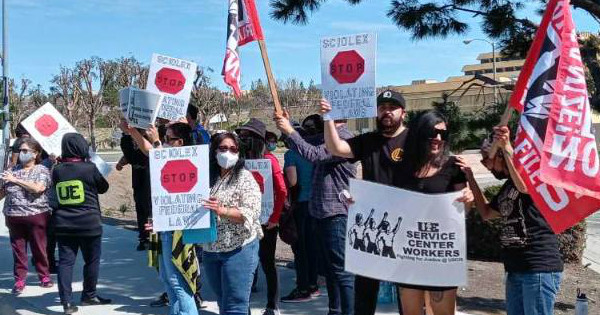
(261, 170)
(348, 67)
(406, 237)
(141, 106)
(180, 181)
(48, 126)
(174, 79)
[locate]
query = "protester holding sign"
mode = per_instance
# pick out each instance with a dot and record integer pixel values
(27, 212)
(231, 261)
(379, 152)
(253, 137)
(531, 255)
(428, 168)
(331, 177)
(77, 220)
(177, 262)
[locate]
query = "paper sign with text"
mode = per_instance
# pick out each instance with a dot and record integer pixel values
(180, 181)
(142, 106)
(174, 79)
(406, 237)
(348, 67)
(261, 170)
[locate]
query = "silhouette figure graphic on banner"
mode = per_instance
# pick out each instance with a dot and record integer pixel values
(357, 232)
(385, 238)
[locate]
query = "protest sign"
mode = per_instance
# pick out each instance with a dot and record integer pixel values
(141, 106)
(406, 237)
(348, 66)
(174, 79)
(180, 181)
(47, 126)
(261, 170)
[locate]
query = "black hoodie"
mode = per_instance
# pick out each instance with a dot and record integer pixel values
(77, 183)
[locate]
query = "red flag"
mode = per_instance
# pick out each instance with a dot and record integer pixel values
(243, 27)
(555, 148)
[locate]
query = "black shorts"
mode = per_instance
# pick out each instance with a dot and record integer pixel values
(425, 288)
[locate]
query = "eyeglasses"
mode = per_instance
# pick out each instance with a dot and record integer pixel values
(224, 148)
(433, 133)
(169, 139)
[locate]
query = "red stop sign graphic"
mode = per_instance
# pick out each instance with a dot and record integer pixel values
(259, 180)
(178, 176)
(169, 80)
(46, 125)
(347, 66)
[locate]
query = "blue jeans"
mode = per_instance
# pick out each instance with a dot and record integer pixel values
(331, 233)
(230, 276)
(181, 298)
(531, 293)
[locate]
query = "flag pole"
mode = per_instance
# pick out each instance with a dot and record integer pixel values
(270, 77)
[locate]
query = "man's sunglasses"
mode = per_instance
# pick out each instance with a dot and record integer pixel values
(224, 148)
(170, 139)
(433, 133)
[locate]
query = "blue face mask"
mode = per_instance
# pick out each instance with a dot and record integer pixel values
(271, 146)
(25, 157)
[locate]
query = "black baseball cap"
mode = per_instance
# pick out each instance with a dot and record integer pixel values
(391, 96)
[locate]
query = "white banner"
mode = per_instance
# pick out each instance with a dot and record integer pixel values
(406, 237)
(48, 126)
(141, 106)
(263, 174)
(348, 67)
(180, 181)
(174, 79)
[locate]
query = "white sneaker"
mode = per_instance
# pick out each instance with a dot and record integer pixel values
(270, 311)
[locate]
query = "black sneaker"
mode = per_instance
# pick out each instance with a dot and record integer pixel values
(95, 301)
(69, 309)
(296, 296)
(162, 301)
(143, 245)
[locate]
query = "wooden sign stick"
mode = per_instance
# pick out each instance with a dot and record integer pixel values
(270, 78)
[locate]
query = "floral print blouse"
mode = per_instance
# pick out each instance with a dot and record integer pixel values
(19, 202)
(243, 194)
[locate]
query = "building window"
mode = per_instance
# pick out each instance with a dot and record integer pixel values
(488, 71)
(468, 72)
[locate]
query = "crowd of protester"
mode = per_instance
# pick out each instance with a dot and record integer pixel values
(53, 202)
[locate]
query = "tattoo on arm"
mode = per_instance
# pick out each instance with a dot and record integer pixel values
(436, 296)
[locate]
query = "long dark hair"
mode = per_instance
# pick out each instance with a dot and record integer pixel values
(35, 146)
(215, 169)
(417, 149)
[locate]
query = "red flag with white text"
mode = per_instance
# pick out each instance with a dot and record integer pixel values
(243, 27)
(555, 148)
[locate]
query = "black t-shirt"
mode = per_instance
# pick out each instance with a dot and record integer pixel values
(132, 152)
(528, 243)
(441, 182)
(379, 155)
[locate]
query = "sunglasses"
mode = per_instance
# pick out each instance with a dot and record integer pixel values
(433, 133)
(224, 148)
(169, 139)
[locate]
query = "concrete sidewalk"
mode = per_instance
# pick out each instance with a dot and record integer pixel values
(125, 278)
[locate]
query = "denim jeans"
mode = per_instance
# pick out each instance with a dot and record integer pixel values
(230, 276)
(181, 299)
(531, 293)
(331, 233)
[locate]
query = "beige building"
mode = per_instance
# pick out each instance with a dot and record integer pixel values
(469, 90)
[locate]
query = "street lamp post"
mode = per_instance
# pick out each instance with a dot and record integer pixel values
(468, 41)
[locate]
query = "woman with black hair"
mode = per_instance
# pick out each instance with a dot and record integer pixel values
(428, 168)
(231, 261)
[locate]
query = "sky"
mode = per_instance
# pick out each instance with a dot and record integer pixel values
(45, 35)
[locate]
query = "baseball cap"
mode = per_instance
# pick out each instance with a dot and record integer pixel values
(391, 96)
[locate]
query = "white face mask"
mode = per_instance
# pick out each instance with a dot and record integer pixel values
(227, 159)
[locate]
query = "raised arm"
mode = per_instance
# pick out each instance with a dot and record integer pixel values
(502, 135)
(336, 145)
(481, 203)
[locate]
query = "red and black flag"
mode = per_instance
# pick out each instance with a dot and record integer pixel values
(243, 27)
(555, 148)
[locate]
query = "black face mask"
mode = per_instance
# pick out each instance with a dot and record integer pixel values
(499, 174)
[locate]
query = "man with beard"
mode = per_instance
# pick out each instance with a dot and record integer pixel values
(379, 151)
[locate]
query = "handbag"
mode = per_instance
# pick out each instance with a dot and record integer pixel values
(287, 224)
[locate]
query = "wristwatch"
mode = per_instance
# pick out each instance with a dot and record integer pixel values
(156, 144)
